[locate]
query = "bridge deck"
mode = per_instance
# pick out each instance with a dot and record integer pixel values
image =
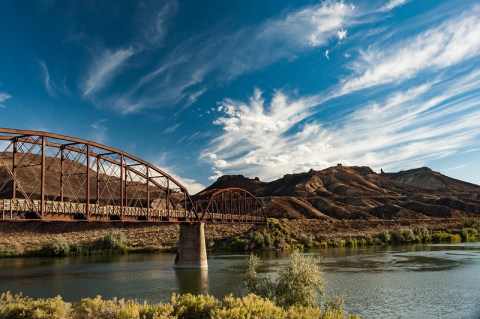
(17, 209)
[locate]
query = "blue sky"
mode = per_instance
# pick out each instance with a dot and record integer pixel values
(260, 88)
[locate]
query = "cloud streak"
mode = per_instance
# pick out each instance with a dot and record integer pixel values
(184, 74)
(3, 98)
(392, 4)
(104, 68)
(47, 82)
(450, 43)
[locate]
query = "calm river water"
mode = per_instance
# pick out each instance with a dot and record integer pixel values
(420, 281)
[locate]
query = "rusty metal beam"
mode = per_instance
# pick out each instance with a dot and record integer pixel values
(42, 182)
(87, 207)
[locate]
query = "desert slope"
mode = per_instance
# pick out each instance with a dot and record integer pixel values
(343, 192)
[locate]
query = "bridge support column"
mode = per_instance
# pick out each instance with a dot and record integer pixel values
(192, 250)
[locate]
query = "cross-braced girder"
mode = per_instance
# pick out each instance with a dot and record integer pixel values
(229, 205)
(46, 176)
(54, 177)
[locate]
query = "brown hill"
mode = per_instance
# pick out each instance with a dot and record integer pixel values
(343, 192)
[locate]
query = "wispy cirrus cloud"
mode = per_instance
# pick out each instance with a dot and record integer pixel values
(3, 98)
(451, 43)
(392, 4)
(104, 68)
(182, 75)
(153, 19)
(403, 130)
(99, 131)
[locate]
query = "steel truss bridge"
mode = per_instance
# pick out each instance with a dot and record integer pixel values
(51, 177)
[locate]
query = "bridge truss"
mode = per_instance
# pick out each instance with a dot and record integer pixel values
(46, 176)
(229, 204)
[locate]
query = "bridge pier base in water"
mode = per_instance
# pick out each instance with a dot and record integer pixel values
(192, 250)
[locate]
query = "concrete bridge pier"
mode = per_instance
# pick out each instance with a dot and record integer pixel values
(192, 250)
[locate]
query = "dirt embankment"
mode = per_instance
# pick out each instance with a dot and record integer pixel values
(23, 236)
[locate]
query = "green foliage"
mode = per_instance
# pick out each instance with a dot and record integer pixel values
(351, 242)
(257, 239)
(251, 306)
(472, 223)
(114, 240)
(76, 249)
(59, 247)
(297, 284)
(18, 307)
(180, 307)
(5, 252)
(442, 237)
(422, 234)
(307, 240)
(192, 306)
(384, 236)
(469, 234)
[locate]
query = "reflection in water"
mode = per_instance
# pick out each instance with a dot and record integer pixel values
(194, 281)
(418, 281)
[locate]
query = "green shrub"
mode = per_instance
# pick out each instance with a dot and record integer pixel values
(298, 283)
(369, 240)
(469, 234)
(423, 234)
(385, 236)
(59, 247)
(193, 306)
(251, 306)
(5, 252)
(114, 240)
(180, 307)
(257, 238)
(402, 236)
(19, 307)
(443, 237)
(306, 240)
(76, 248)
(239, 244)
(351, 242)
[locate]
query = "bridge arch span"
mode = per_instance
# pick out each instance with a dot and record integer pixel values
(229, 204)
(56, 177)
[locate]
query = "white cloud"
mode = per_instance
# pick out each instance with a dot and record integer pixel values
(171, 129)
(104, 68)
(47, 82)
(181, 77)
(404, 130)
(393, 4)
(342, 35)
(448, 44)
(99, 131)
(3, 98)
(154, 19)
(457, 167)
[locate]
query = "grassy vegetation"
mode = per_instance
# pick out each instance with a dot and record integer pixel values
(180, 307)
(276, 236)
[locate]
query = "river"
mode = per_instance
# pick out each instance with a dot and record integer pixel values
(415, 281)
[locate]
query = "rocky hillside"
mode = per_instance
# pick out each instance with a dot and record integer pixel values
(343, 192)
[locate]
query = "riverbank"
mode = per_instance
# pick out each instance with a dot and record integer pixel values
(37, 238)
(299, 234)
(26, 238)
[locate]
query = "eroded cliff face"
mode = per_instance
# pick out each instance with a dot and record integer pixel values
(343, 192)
